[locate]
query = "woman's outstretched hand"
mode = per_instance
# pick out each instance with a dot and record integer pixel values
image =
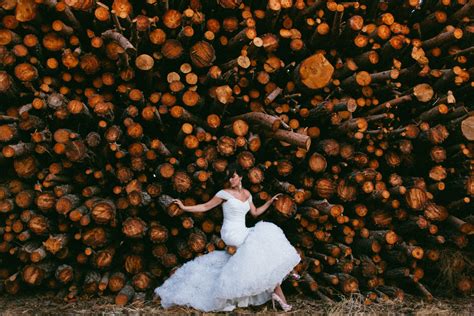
(178, 201)
(275, 197)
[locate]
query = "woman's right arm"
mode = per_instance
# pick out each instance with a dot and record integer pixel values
(203, 207)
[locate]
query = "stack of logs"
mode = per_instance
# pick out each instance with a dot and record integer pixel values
(360, 112)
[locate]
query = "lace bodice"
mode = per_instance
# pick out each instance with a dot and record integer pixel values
(233, 230)
(234, 209)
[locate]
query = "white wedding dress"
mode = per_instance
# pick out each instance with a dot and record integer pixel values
(218, 281)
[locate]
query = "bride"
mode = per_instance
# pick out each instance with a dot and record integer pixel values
(219, 281)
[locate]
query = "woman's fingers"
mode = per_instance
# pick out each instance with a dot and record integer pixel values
(275, 197)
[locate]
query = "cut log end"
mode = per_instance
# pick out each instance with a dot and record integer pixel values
(315, 72)
(467, 128)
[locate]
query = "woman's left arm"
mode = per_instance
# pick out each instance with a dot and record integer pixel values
(256, 211)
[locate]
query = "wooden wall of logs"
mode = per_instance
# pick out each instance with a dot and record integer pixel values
(359, 111)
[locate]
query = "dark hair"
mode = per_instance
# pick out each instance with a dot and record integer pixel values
(231, 169)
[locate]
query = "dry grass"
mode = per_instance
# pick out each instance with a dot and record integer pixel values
(354, 305)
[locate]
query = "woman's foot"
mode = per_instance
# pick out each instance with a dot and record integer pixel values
(293, 276)
(286, 307)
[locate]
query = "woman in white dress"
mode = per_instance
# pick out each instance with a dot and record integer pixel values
(218, 281)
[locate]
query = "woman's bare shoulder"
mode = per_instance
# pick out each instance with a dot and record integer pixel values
(249, 193)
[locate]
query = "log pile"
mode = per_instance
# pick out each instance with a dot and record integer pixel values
(359, 112)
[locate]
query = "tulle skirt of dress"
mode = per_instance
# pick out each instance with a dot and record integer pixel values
(218, 281)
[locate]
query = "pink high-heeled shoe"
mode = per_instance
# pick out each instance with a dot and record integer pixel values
(285, 307)
(293, 276)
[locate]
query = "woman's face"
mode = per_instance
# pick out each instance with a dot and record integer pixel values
(235, 180)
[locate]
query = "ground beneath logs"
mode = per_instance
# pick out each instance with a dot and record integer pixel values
(46, 304)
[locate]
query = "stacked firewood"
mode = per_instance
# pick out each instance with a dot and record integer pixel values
(359, 112)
